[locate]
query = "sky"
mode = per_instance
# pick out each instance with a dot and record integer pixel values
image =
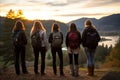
(61, 10)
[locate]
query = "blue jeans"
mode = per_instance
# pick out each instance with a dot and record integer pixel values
(90, 56)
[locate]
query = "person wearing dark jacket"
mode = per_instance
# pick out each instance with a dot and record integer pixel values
(73, 41)
(19, 43)
(56, 40)
(90, 39)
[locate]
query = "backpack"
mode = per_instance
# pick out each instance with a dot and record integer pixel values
(92, 39)
(36, 40)
(57, 39)
(73, 40)
(17, 38)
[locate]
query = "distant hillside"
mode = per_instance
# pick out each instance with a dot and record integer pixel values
(46, 23)
(107, 23)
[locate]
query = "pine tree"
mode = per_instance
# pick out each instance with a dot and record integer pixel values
(114, 58)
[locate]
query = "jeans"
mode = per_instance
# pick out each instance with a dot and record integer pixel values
(90, 56)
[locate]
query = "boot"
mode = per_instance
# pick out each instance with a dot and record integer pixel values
(72, 69)
(92, 70)
(76, 71)
(89, 70)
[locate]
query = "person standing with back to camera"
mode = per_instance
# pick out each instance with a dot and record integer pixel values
(40, 44)
(19, 42)
(90, 39)
(56, 40)
(73, 41)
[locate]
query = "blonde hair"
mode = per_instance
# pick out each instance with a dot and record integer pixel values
(89, 23)
(37, 26)
(55, 27)
(18, 26)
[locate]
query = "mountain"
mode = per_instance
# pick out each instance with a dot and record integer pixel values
(47, 24)
(107, 23)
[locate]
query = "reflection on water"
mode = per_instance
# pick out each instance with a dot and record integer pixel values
(111, 40)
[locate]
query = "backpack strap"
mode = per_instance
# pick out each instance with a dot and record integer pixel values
(42, 35)
(34, 34)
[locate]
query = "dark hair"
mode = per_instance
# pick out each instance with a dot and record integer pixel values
(73, 27)
(88, 22)
(18, 26)
(55, 27)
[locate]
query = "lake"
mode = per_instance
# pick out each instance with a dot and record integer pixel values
(111, 40)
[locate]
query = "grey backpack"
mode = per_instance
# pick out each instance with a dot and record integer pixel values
(36, 40)
(57, 39)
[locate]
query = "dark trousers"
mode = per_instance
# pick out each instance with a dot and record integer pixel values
(36, 55)
(19, 51)
(60, 55)
(75, 58)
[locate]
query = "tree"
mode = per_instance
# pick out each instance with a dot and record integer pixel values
(20, 14)
(101, 53)
(11, 14)
(113, 60)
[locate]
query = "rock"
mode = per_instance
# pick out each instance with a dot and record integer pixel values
(111, 76)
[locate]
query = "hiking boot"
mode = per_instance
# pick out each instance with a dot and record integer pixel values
(72, 69)
(76, 71)
(90, 71)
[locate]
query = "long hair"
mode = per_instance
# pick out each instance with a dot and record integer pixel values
(72, 27)
(37, 26)
(88, 23)
(18, 26)
(55, 28)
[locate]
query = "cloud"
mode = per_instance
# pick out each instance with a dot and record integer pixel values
(82, 14)
(99, 3)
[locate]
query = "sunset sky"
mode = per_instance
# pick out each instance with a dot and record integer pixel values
(61, 10)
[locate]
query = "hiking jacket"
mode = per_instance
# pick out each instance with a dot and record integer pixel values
(22, 38)
(84, 37)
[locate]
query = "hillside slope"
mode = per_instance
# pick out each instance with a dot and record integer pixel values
(9, 74)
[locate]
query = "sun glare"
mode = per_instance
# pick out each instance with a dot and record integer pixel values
(38, 15)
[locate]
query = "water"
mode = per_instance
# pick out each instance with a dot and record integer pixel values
(112, 40)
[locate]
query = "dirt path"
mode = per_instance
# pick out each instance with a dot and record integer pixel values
(9, 74)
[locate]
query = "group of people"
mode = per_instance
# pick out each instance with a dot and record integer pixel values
(40, 44)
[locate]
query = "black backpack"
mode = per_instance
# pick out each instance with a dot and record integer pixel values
(36, 40)
(92, 38)
(17, 38)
